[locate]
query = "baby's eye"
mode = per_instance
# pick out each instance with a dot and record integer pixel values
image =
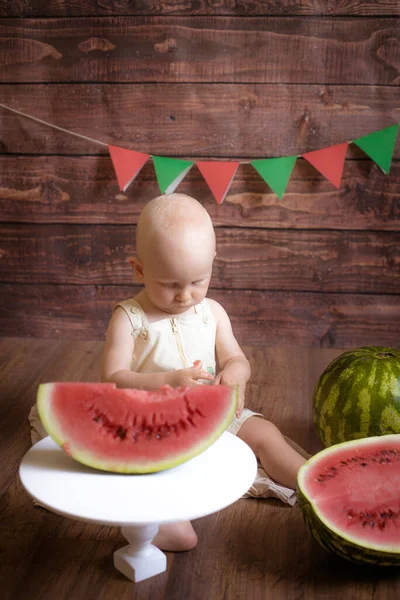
(172, 285)
(198, 282)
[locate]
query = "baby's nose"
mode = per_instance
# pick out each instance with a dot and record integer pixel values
(183, 295)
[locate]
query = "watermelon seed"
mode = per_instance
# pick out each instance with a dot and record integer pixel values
(165, 431)
(158, 436)
(121, 432)
(371, 523)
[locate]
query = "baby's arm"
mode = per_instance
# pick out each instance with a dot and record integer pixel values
(116, 367)
(234, 366)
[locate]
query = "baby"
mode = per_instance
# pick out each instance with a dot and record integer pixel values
(171, 334)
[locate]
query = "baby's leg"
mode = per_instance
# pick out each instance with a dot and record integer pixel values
(278, 458)
(176, 537)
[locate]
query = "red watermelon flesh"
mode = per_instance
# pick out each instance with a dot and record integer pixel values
(134, 431)
(350, 497)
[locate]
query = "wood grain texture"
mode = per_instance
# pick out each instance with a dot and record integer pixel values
(220, 120)
(258, 318)
(239, 8)
(63, 189)
(286, 260)
(201, 49)
(253, 549)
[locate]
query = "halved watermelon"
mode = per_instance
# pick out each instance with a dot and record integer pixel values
(350, 498)
(134, 431)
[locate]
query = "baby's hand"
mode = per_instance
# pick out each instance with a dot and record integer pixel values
(188, 377)
(222, 379)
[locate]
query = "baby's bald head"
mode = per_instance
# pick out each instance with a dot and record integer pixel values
(175, 245)
(174, 223)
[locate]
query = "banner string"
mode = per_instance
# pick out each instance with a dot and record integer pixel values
(84, 137)
(80, 135)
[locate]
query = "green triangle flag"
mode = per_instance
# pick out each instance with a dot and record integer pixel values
(276, 172)
(170, 172)
(379, 146)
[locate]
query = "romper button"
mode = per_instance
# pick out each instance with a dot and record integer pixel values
(205, 320)
(134, 310)
(143, 334)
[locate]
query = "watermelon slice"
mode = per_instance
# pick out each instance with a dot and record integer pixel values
(350, 498)
(134, 431)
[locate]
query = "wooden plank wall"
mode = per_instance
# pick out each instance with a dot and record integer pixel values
(204, 79)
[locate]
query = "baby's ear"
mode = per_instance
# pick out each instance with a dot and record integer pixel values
(137, 267)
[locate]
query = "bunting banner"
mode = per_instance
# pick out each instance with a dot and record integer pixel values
(218, 176)
(329, 162)
(276, 172)
(380, 146)
(170, 172)
(127, 164)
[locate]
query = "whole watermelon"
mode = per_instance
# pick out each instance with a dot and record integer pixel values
(358, 395)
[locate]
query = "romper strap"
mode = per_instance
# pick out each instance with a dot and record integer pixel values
(135, 315)
(205, 310)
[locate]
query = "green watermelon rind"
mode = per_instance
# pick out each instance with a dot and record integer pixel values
(329, 536)
(43, 396)
(44, 408)
(346, 407)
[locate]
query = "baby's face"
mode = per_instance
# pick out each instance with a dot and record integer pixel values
(177, 278)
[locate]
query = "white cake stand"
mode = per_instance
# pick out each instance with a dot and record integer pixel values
(139, 503)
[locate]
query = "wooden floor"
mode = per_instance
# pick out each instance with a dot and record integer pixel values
(254, 549)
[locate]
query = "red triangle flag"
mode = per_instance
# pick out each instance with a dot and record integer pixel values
(127, 164)
(329, 162)
(218, 176)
